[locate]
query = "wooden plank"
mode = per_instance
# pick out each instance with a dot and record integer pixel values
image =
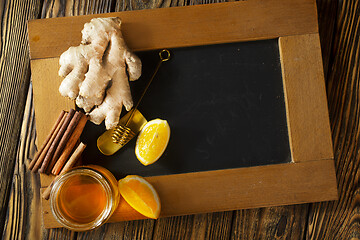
(287, 222)
(176, 227)
(46, 82)
(54, 8)
(340, 219)
(242, 187)
(45, 180)
(141, 229)
(327, 11)
(190, 26)
(14, 82)
(305, 98)
(201, 226)
(128, 5)
(281, 184)
(20, 208)
(212, 226)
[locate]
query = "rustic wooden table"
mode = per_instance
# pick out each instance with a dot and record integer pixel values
(339, 26)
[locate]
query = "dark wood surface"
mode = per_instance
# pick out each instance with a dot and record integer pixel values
(19, 189)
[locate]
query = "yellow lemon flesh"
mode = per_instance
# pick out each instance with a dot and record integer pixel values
(140, 195)
(152, 141)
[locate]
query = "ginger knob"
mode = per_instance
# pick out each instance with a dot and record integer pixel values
(96, 72)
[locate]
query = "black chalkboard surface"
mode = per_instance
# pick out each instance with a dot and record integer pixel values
(224, 104)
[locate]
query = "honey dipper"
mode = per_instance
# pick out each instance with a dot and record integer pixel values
(114, 139)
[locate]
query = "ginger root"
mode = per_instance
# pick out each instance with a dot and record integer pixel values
(95, 71)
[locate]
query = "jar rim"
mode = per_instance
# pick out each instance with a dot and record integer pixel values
(103, 216)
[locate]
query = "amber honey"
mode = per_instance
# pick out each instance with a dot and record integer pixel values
(84, 198)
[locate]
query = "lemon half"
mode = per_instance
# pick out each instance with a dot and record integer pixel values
(152, 141)
(140, 195)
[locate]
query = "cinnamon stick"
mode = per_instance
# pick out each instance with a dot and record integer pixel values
(55, 143)
(40, 159)
(37, 155)
(70, 145)
(73, 123)
(72, 161)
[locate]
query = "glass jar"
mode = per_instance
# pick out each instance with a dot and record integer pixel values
(84, 198)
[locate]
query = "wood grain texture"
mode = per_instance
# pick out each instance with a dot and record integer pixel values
(198, 25)
(56, 8)
(270, 223)
(174, 228)
(141, 229)
(45, 79)
(130, 5)
(340, 219)
(305, 98)
(280, 184)
(24, 197)
(212, 225)
(14, 82)
(327, 10)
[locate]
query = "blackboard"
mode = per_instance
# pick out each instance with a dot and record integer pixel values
(258, 163)
(225, 106)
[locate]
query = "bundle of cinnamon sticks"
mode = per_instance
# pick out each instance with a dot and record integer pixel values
(60, 143)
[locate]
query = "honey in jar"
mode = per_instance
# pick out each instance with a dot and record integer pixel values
(84, 198)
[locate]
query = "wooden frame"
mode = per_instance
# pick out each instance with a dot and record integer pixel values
(310, 177)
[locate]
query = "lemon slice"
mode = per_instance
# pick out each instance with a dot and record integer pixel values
(140, 195)
(152, 141)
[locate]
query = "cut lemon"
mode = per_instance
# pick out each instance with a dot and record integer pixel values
(152, 141)
(140, 195)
